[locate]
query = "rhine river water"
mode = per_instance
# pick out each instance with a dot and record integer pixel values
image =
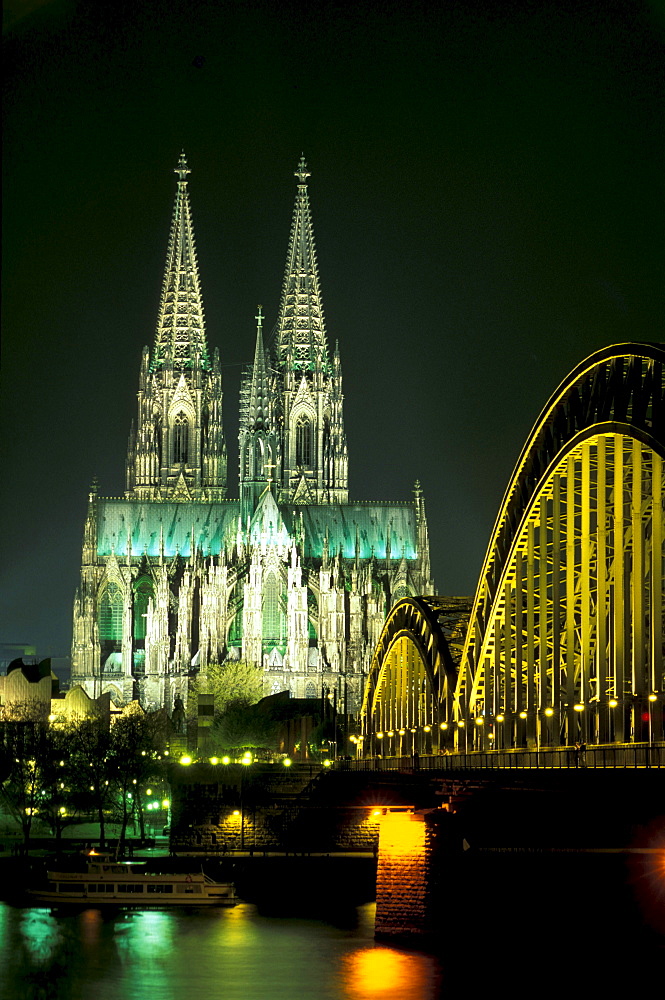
(231, 954)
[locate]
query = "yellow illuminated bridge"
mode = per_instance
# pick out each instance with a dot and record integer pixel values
(563, 641)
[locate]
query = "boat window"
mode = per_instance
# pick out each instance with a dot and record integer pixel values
(69, 887)
(160, 887)
(130, 887)
(192, 888)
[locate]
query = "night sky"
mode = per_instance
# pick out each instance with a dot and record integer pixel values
(487, 195)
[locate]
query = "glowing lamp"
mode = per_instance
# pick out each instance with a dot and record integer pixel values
(578, 708)
(236, 812)
(390, 732)
(427, 729)
(214, 760)
(165, 803)
(443, 725)
(327, 763)
(402, 732)
(549, 711)
(480, 721)
(613, 703)
(287, 762)
(148, 791)
(653, 697)
(522, 715)
(499, 718)
(185, 760)
(226, 760)
(379, 736)
(461, 723)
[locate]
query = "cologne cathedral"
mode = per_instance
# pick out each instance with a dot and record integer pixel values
(291, 575)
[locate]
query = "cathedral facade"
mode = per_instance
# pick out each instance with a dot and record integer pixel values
(291, 575)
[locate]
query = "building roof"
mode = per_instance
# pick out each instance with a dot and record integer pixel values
(215, 525)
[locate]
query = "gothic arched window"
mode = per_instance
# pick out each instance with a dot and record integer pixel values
(273, 618)
(180, 439)
(303, 442)
(110, 614)
(143, 591)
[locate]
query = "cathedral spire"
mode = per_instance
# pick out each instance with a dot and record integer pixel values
(258, 403)
(257, 441)
(180, 341)
(301, 336)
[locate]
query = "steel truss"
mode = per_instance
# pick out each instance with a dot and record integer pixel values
(565, 641)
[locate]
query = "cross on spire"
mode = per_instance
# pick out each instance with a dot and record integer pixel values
(182, 169)
(259, 317)
(302, 173)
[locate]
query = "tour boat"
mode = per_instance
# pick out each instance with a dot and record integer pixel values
(107, 882)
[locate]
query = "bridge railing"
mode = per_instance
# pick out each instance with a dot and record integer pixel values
(634, 755)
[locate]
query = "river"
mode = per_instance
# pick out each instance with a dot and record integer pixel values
(234, 954)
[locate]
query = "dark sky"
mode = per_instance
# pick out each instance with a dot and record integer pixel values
(487, 194)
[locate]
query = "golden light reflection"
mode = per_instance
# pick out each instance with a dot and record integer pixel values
(380, 971)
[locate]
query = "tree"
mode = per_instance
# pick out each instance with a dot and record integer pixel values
(135, 758)
(235, 681)
(93, 778)
(244, 726)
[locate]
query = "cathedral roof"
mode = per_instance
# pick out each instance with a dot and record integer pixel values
(214, 525)
(301, 335)
(180, 340)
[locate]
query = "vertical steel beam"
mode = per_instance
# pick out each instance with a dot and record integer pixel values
(601, 592)
(619, 614)
(586, 655)
(556, 606)
(531, 600)
(656, 608)
(571, 721)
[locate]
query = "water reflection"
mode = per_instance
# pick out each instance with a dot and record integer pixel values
(379, 972)
(237, 954)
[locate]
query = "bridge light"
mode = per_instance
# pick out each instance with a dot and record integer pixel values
(522, 715)
(443, 725)
(549, 711)
(427, 729)
(653, 697)
(460, 723)
(480, 721)
(390, 732)
(578, 708)
(613, 703)
(499, 718)
(379, 736)
(412, 730)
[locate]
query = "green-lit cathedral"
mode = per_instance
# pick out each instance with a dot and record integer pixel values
(291, 575)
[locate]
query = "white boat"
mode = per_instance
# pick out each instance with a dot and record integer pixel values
(107, 882)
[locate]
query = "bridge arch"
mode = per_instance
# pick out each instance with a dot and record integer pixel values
(411, 683)
(565, 636)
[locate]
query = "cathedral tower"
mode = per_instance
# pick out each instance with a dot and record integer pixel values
(312, 461)
(177, 448)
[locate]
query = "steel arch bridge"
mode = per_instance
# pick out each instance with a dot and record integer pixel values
(563, 642)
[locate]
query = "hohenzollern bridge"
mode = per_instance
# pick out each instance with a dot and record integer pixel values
(560, 653)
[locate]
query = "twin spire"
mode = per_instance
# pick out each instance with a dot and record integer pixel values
(180, 341)
(301, 337)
